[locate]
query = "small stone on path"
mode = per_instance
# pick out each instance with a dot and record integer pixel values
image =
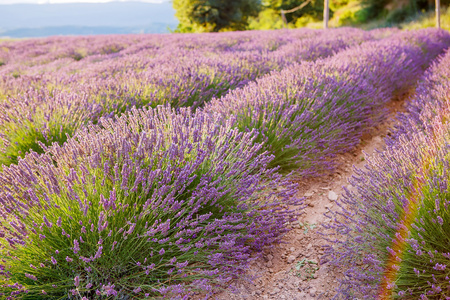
(332, 196)
(291, 259)
(377, 139)
(274, 291)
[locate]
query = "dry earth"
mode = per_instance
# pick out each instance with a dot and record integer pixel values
(292, 269)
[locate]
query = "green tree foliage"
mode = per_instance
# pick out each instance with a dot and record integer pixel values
(429, 4)
(314, 9)
(224, 15)
(214, 15)
(373, 8)
(270, 16)
(397, 11)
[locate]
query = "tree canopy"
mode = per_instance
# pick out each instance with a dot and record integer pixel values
(226, 15)
(215, 15)
(313, 9)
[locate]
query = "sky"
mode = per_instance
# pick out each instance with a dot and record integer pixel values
(38, 18)
(73, 1)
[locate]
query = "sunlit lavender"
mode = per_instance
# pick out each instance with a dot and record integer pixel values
(396, 224)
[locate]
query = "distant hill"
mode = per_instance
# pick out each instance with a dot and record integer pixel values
(37, 20)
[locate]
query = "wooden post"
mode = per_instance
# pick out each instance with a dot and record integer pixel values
(326, 11)
(438, 13)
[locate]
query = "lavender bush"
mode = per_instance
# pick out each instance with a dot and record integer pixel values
(308, 113)
(40, 117)
(395, 225)
(429, 102)
(156, 203)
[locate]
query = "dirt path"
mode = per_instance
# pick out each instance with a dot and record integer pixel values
(292, 270)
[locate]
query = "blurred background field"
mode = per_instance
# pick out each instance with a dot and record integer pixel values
(36, 18)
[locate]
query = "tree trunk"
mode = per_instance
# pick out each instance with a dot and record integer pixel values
(413, 5)
(438, 13)
(326, 12)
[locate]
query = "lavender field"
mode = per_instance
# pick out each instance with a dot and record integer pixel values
(160, 166)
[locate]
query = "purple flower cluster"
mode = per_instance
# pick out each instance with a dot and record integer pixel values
(307, 113)
(395, 224)
(156, 202)
(429, 102)
(51, 87)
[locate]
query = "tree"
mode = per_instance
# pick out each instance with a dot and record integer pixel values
(313, 10)
(374, 8)
(214, 15)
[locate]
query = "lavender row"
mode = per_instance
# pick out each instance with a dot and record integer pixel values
(49, 61)
(53, 106)
(157, 203)
(56, 55)
(308, 113)
(55, 61)
(33, 52)
(288, 47)
(396, 222)
(23, 56)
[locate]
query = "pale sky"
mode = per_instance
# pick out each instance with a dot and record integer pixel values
(74, 1)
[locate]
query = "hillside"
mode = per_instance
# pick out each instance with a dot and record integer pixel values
(39, 20)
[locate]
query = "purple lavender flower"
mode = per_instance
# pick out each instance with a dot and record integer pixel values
(33, 277)
(76, 281)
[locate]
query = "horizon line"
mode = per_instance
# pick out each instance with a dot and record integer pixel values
(43, 2)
